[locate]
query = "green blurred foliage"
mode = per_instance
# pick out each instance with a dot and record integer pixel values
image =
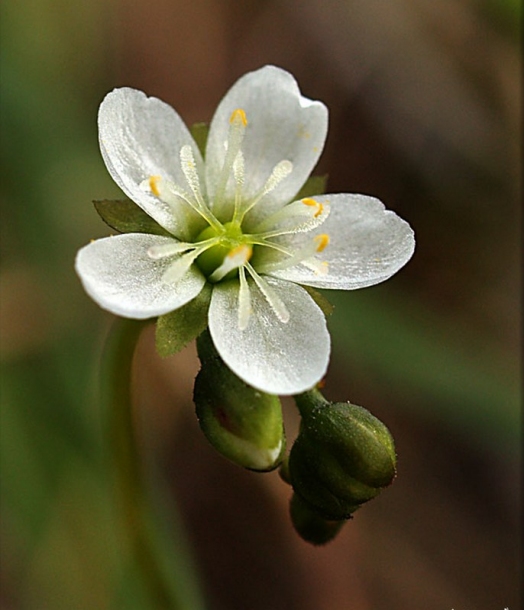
(52, 76)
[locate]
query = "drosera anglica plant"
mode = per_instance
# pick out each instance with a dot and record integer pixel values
(225, 238)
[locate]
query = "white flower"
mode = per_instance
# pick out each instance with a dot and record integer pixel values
(234, 223)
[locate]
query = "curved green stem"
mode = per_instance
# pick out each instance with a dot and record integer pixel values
(167, 576)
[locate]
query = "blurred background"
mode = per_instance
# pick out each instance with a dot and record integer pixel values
(424, 102)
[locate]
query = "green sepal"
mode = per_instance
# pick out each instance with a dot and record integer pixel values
(329, 496)
(309, 525)
(200, 131)
(174, 330)
(245, 425)
(326, 307)
(125, 216)
(314, 185)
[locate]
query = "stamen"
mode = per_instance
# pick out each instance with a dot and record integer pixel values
(275, 302)
(315, 204)
(279, 173)
(168, 192)
(173, 195)
(304, 255)
(179, 247)
(166, 250)
(239, 175)
(237, 131)
(238, 170)
(322, 241)
(235, 258)
(187, 160)
(176, 201)
(288, 220)
(165, 191)
(238, 115)
(181, 266)
(244, 300)
(269, 244)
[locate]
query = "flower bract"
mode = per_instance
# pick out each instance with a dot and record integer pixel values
(232, 221)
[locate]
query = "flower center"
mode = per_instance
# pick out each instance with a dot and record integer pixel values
(230, 250)
(222, 251)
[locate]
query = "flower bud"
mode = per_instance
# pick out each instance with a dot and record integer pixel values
(242, 423)
(342, 458)
(310, 525)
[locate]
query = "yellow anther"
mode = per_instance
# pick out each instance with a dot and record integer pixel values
(242, 252)
(309, 201)
(320, 210)
(238, 115)
(313, 203)
(153, 185)
(322, 241)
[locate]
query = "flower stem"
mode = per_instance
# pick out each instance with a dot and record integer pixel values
(167, 576)
(309, 400)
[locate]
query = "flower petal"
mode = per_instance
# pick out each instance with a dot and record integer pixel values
(140, 137)
(281, 124)
(272, 356)
(120, 276)
(367, 245)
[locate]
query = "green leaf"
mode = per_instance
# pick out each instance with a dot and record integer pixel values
(314, 185)
(326, 307)
(200, 131)
(125, 216)
(176, 329)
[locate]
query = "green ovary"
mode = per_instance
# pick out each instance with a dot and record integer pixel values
(230, 238)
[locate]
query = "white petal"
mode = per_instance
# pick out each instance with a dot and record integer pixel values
(120, 276)
(281, 124)
(140, 137)
(367, 245)
(272, 356)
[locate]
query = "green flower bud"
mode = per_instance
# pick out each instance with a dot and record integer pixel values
(310, 525)
(343, 456)
(242, 423)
